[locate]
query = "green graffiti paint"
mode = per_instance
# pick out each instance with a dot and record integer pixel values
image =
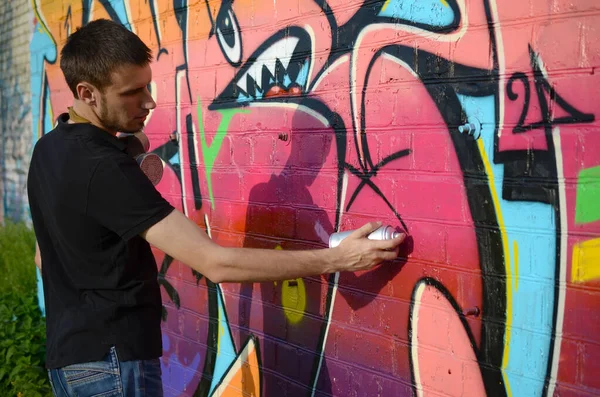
(209, 153)
(588, 194)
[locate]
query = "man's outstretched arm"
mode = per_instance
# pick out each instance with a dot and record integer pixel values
(182, 239)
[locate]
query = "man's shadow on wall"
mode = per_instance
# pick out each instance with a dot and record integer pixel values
(280, 212)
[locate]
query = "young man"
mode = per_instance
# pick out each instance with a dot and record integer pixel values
(95, 215)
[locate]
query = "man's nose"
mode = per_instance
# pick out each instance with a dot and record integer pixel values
(148, 103)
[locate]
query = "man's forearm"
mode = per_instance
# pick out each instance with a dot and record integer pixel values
(183, 240)
(243, 264)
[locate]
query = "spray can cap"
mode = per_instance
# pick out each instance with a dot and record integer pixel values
(152, 166)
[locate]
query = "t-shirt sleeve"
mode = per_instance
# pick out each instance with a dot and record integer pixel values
(122, 198)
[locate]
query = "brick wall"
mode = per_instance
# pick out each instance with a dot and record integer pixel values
(471, 124)
(15, 107)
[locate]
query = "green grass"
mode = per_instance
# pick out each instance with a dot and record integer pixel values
(17, 250)
(22, 328)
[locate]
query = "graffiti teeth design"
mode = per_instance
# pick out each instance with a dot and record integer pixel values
(279, 68)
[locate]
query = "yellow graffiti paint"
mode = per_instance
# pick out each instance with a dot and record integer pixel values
(293, 299)
(509, 274)
(586, 261)
(387, 3)
(516, 258)
(220, 333)
(445, 3)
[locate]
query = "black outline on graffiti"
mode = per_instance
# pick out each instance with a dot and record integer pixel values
(213, 339)
(369, 14)
(226, 11)
(155, 22)
(111, 11)
(541, 85)
(170, 290)
(365, 180)
(68, 24)
(443, 90)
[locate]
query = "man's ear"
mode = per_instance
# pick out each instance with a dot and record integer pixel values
(86, 93)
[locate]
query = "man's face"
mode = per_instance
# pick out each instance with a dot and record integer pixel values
(126, 102)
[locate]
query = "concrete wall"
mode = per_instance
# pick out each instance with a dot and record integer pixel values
(296, 118)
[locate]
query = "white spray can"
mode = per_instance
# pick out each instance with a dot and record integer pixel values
(385, 232)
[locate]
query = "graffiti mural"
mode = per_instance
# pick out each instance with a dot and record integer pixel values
(282, 122)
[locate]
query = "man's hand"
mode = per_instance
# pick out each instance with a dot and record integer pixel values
(357, 252)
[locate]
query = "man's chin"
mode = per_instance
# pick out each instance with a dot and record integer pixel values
(132, 128)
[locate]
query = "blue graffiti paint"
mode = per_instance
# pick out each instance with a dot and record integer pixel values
(226, 352)
(40, 292)
(42, 49)
(121, 9)
(175, 373)
(118, 12)
(48, 114)
(302, 77)
(531, 228)
(243, 98)
(175, 159)
(430, 12)
(47, 126)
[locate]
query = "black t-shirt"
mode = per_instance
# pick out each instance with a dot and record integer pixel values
(89, 202)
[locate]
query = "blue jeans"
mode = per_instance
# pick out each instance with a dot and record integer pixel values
(108, 378)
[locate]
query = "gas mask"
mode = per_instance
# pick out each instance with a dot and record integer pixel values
(151, 164)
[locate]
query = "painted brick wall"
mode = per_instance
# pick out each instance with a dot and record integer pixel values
(472, 124)
(15, 107)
